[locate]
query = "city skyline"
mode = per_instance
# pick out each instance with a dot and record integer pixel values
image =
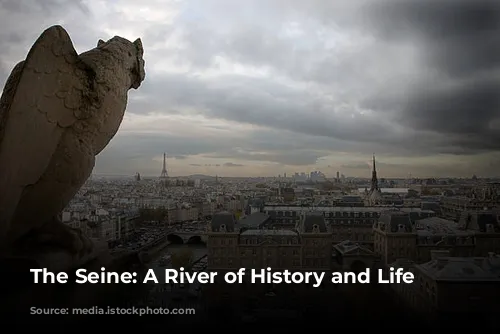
(273, 87)
(213, 170)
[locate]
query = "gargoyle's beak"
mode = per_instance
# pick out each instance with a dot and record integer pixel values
(136, 84)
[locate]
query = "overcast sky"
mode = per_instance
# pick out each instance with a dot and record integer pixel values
(264, 87)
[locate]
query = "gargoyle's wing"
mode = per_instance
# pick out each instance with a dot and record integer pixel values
(46, 100)
(8, 94)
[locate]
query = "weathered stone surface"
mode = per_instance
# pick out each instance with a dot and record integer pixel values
(58, 110)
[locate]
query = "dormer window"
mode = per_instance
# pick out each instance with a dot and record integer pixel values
(223, 228)
(315, 228)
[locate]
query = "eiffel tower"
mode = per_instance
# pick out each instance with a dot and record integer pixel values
(164, 173)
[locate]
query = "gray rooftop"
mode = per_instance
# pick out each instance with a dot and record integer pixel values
(439, 226)
(269, 233)
(255, 220)
(223, 220)
(479, 221)
(352, 198)
(312, 222)
(396, 221)
(256, 202)
(348, 246)
(377, 209)
(459, 269)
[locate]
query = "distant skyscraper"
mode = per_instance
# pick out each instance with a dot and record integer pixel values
(164, 173)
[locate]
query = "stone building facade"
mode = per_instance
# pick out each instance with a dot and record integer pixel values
(396, 236)
(447, 285)
(307, 246)
(485, 197)
(346, 223)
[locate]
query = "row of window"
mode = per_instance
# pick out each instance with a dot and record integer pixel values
(274, 263)
(257, 241)
(338, 214)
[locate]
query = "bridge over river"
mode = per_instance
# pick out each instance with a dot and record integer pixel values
(191, 237)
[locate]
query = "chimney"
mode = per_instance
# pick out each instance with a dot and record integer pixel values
(435, 254)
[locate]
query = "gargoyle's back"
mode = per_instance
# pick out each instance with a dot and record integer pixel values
(8, 95)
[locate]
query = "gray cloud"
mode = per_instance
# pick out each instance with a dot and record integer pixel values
(311, 79)
(460, 37)
(458, 40)
(356, 166)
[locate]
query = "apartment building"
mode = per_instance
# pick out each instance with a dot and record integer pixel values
(308, 246)
(397, 236)
(446, 285)
(346, 223)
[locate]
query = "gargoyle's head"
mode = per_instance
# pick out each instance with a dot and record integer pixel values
(131, 54)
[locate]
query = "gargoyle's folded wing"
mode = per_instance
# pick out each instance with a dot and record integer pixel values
(46, 100)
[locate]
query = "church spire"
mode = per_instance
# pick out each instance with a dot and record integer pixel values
(374, 185)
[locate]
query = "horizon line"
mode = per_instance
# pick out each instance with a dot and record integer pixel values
(289, 177)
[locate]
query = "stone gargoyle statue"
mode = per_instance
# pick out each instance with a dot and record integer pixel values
(58, 110)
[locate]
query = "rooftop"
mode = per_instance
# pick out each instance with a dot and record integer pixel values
(269, 233)
(459, 269)
(348, 246)
(439, 226)
(396, 221)
(377, 209)
(254, 220)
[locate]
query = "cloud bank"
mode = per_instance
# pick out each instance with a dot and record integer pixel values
(274, 86)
